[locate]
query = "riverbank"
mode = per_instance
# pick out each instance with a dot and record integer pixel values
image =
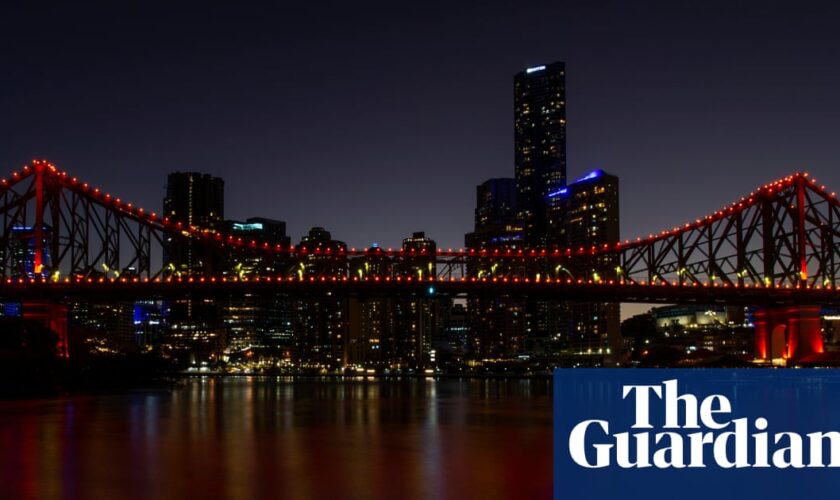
(24, 377)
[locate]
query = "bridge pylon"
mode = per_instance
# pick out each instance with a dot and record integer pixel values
(51, 315)
(788, 333)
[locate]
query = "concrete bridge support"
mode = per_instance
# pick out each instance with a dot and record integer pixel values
(790, 332)
(52, 316)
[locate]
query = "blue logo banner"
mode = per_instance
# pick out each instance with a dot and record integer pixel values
(711, 434)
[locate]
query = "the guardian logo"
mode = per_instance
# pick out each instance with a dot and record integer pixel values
(695, 433)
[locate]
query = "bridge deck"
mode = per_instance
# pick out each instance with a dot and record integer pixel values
(127, 289)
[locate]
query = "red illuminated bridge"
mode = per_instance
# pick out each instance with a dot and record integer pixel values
(775, 249)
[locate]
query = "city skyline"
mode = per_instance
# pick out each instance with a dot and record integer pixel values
(417, 250)
(149, 104)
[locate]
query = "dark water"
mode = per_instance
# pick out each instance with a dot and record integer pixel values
(276, 438)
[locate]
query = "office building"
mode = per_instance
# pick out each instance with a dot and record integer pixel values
(195, 201)
(149, 323)
(196, 332)
(258, 320)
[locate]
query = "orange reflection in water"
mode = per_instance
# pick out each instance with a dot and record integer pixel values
(278, 438)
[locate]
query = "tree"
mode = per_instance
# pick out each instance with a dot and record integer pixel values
(640, 328)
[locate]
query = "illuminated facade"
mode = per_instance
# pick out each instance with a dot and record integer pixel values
(195, 200)
(394, 333)
(21, 257)
(539, 144)
(371, 320)
(584, 214)
(104, 327)
(261, 230)
(415, 318)
(149, 323)
(496, 325)
(495, 216)
(452, 341)
(689, 317)
(690, 328)
(263, 320)
(195, 332)
(320, 323)
(540, 165)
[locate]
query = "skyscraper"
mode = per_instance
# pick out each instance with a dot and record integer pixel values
(395, 333)
(415, 317)
(584, 214)
(320, 322)
(260, 319)
(195, 326)
(371, 319)
(496, 325)
(539, 114)
(540, 144)
(260, 230)
(196, 201)
(495, 215)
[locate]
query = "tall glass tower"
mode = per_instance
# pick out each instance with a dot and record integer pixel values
(540, 144)
(198, 201)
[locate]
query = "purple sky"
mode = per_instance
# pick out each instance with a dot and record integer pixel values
(376, 120)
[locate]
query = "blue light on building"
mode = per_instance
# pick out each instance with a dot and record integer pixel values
(595, 174)
(559, 192)
(23, 252)
(11, 309)
(591, 175)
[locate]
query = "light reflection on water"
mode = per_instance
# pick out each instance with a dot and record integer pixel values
(278, 438)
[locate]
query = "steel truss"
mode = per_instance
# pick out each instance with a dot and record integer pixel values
(55, 228)
(785, 234)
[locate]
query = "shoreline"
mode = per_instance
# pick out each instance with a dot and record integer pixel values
(365, 377)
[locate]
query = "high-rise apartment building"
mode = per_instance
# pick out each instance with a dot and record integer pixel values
(371, 319)
(320, 323)
(496, 325)
(395, 333)
(415, 318)
(584, 214)
(539, 144)
(495, 216)
(540, 166)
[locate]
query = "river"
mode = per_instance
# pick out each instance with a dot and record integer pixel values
(254, 438)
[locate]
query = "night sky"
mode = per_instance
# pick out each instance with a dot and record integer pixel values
(376, 120)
